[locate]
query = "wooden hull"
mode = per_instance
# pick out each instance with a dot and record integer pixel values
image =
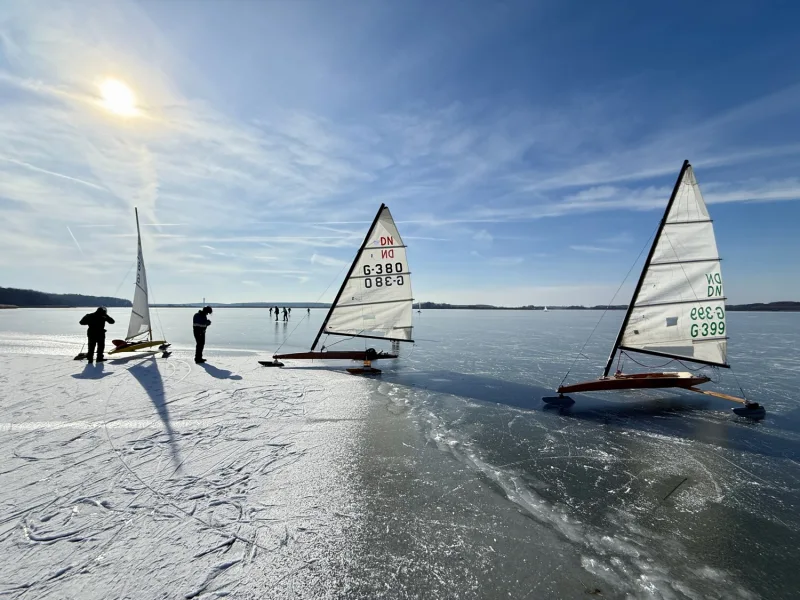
(141, 346)
(636, 381)
(336, 355)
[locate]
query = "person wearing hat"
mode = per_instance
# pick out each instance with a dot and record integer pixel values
(96, 332)
(200, 323)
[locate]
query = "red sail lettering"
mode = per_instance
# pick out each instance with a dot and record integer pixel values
(387, 253)
(387, 241)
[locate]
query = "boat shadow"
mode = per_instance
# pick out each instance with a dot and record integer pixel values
(138, 356)
(149, 377)
(665, 414)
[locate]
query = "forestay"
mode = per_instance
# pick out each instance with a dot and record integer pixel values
(375, 299)
(140, 313)
(680, 308)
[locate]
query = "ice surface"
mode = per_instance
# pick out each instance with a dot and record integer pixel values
(445, 478)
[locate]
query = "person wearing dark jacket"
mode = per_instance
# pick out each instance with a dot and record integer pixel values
(200, 323)
(96, 331)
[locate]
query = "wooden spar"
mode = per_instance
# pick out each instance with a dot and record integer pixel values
(337, 354)
(718, 395)
(350, 272)
(644, 269)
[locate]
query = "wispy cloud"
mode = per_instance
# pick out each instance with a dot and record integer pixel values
(74, 239)
(593, 249)
(483, 237)
(327, 261)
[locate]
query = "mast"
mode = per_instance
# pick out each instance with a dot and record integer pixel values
(347, 277)
(644, 269)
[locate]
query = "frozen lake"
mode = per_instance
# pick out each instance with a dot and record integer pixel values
(445, 478)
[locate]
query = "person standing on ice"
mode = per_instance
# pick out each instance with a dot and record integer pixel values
(97, 331)
(200, 323)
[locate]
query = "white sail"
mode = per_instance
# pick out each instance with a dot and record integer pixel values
(375, 300)
(140, 313)
(680, 308)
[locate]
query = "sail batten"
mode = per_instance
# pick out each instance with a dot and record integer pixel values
(375, 298)
(678, 309)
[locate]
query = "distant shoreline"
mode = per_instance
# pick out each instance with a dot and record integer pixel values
(757, 307)
(19, 298)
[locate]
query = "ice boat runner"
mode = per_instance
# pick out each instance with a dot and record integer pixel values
(140, 331)
(374, 301)
(678, 307)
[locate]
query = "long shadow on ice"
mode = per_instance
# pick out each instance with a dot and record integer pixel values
(92, 371)
(219, 373)
(149, 377)
(667, 415)
(137, 356)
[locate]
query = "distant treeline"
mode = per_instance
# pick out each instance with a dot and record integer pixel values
(757, 307)
(246, 305)
(437, 305)
(12, 297)
(25, 298)
(768, 307)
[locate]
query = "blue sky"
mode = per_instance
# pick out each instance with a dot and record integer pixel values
(526, 149)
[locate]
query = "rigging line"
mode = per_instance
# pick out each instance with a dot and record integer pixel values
(334, 280)
(674, 360)
(124, 278)
(740, 386)
(344, 339)
(304, 317)
(608, 306)
(158, 316)
(629, 357)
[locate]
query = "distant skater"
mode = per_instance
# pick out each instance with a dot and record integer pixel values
(270, 312)
(308, 310)
(200, 323)
(290, 311)
(285, 314)
(276, 313)
(97, 331)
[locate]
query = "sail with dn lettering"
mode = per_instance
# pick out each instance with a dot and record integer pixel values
(374, 301)
(678, 308)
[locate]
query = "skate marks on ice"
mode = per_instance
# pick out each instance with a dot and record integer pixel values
(160, 481)
(641, 491)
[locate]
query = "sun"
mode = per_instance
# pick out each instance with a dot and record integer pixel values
(118, 98)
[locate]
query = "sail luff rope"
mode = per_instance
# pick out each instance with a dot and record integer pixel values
(608, 307)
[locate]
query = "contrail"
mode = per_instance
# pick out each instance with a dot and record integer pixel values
(74, 239)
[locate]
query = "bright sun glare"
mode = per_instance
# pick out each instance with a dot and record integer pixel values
(118, 97)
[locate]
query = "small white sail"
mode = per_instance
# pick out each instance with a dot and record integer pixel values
(140, 313)
(680, 308)
(375, 300)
